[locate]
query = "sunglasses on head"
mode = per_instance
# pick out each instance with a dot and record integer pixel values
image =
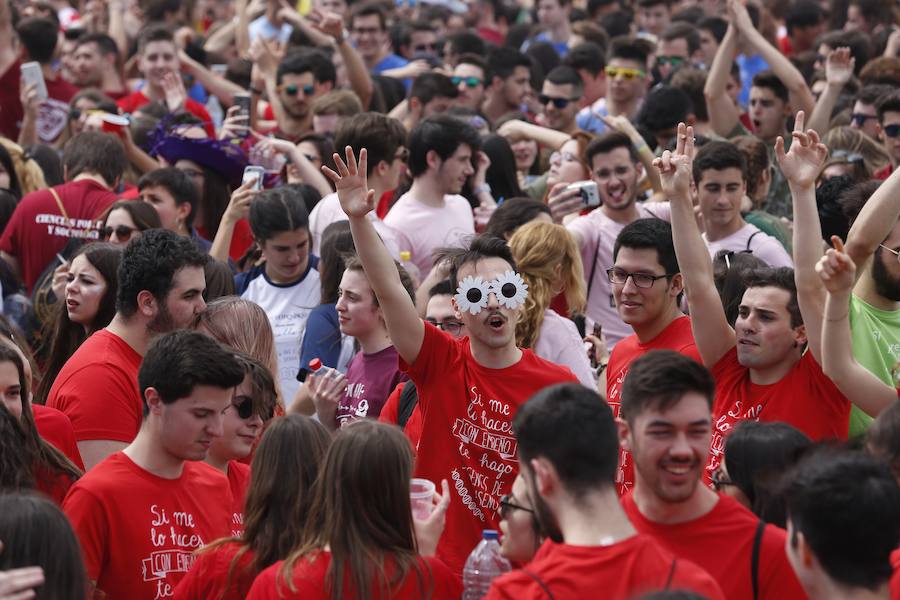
(123, 232)
(892, 131)
(292, 89)
(626, 73)
(860, 119)
(559, 103)
(471, 82)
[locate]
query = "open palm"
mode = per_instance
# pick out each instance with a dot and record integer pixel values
(803, 163)
(357, 200)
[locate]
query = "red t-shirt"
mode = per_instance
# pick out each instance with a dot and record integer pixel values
(310, 583)
(623, 570)
(240, 241)
(721, 543)
(895, 578)
(390, 413)
(805, 398)
(97, 389)
(676, 336)
(53, 113)
(132, 102)
(138, 532)
(467, 435)
(56, 428)
(208, 577)
(37, 229)
(238, 482)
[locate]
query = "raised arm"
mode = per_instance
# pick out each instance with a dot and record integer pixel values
(357, 73)
(723, 114)
(406, 329)
(875, 221)
(838, 273)
(800, 95)
(712, 334)
(838, 71)
(801, 167)
(542, 135)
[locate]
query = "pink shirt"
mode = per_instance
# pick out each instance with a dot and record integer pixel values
(597, 235)
(762, 245)
(329, 211)
(428, 228)
(560, 343)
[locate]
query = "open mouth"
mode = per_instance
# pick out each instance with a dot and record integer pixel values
(495, 322)
(679, 470)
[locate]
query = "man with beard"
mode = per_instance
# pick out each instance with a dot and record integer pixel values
(616, 169)
(161, 285)
(432, 214)
(567, 446)
(96, 64)
(667, 425)
(559, 99)
(873, 243)
(300, 78)
(763, 368)
(469, 388)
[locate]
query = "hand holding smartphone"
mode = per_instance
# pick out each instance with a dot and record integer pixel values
(32, 75)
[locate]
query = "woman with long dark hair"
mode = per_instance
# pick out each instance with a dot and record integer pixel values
(89, 305)
(284, 469)
(360, 540)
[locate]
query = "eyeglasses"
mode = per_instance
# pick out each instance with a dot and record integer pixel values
(719, 480)
(558, 157)
(402, 155)
(507, 506)
(860, 119)
(472, 82)
(243, 405)
(123, 232)
(291, 90)
(892, 131)
(641, 280)
(669, 60)
(425, 48)
(892, 251)
(559, 103)
(626, 73)
(367, 30)
(451, 327)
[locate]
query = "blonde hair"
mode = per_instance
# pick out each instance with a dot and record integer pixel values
(244, 326)
(546, 255)
(854, 141)
(29, 173)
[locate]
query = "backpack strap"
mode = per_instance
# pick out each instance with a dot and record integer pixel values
(750, 240)
(671, 574)
(540, 582)
(409, 397)
(754, 561)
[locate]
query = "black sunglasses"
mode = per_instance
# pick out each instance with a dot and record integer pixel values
(892, 131)
(123, 232)
(243, 405)
(559, 103)
(860, 119)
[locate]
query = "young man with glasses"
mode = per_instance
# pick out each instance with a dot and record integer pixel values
(889, 127)
(679, 44)
(647, 287)
(626, 85)
(559, 99)
(567, 446)
(469, 77)
(865, 114)
(301, 77)
(368, 31)
(666, 426)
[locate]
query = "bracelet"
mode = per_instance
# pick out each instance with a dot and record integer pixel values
(255, 91)
(838, 319)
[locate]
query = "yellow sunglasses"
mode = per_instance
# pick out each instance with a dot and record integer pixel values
(626, 73)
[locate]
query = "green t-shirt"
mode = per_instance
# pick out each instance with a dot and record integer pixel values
(876, 346)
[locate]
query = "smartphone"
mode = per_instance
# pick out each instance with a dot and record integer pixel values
(32, 74)
(598, 330)
(242, 101)
(253, 172)
(590, 193)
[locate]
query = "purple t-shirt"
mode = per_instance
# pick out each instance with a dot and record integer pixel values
(370, 380)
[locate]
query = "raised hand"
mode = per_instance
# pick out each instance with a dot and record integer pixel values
(839, 66)
(836, 269)
(803, 163)
(622, 124)
(351, 184)
(675, 168)
(173, 87)
(331, 24)
(739, 16)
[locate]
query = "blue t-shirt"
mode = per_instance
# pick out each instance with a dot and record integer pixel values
(749, 66)
(263, 28)
(562, 48)
(323, 340)
(391, 61)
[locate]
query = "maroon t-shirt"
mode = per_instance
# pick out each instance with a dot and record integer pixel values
(370, 380)
(38, 230)
(54, 111)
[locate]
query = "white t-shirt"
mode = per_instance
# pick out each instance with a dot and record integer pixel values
(328, 211)
(287, 306)
(597, 234)
(750, 237)
(559, 342)
(428, 228)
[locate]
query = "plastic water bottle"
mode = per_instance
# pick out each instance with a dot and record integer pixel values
(483, 566)
(316, 366)
(410, 266)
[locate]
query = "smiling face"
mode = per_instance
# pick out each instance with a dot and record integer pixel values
(453, 172)
(297, 91)
(88, 65)
(84, 291)
(357, 313)
(368, 36)
(520, 540)
(495, 326)
(768, 113)
(560, 119)
(643, 306)
(670, 447)
(238, 435)
(721, 192)
(622, 89)
(158, 59)
(188, 426)
(286, 255)
(616, 175)
(469, 96)
(763, 329)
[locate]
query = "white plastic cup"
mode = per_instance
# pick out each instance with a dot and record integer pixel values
(421, 493)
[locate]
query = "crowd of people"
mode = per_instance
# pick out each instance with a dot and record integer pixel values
(617, 279)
